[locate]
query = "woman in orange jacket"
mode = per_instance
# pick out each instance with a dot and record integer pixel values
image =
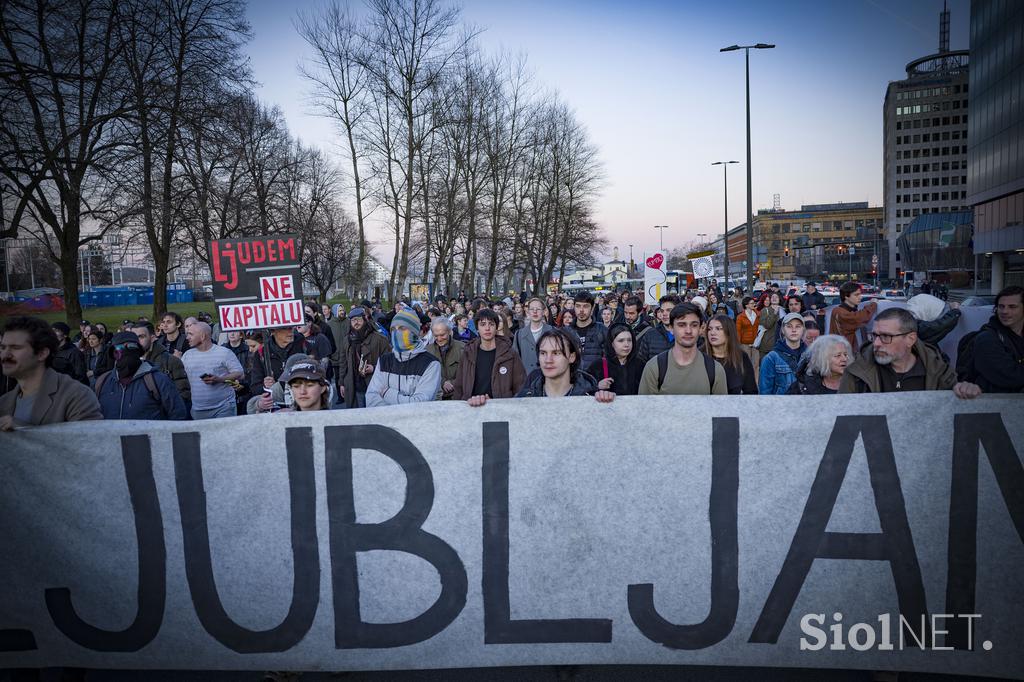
(746, 327)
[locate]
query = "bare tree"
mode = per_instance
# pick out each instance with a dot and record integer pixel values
(61, 92)
(173, 51)
(339, 91)
(329, 249)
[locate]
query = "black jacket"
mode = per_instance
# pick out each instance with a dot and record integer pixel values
(626, 376)
(935, 330)
(740, 383)
(654, 341)
(71, 361)
(807, 383)
(276, 356)
(179, 344)
(816, 299)
(592, 339)
(534, 386)
(999, 358)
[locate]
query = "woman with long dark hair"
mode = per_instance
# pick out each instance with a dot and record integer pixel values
(618, 369)
(723, 344)
(567, 319)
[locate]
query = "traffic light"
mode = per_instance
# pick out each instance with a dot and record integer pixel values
(787, 252)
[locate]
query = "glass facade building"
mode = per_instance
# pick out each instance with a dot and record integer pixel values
(995, 157)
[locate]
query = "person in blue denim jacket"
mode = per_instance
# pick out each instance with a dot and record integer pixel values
(778, 368)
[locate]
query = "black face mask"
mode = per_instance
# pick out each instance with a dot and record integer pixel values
(127, 362)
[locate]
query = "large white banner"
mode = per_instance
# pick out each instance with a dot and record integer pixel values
(870, 532)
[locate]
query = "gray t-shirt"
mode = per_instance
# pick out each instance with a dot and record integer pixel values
(217, 361)
(23, 409)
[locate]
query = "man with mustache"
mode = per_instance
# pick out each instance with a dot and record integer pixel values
(42, 396)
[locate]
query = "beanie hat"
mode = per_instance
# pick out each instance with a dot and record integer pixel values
(701, 302)
(405, 330)
(61, 327)
(356, 312)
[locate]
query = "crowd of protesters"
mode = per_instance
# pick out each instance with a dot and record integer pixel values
(476, 350)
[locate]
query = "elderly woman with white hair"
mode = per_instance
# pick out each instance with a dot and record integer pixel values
(821, 368)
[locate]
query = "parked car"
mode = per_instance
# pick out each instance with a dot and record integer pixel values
(978, 300)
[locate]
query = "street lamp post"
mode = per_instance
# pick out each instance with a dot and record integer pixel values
(750, 199)
(631, 261)
(662, 228)
(725, 236)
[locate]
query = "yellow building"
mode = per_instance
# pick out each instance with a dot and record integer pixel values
(814, 242)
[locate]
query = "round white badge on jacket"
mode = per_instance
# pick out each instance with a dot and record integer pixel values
(503, 370)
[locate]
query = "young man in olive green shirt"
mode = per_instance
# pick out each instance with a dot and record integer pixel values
(687, 370)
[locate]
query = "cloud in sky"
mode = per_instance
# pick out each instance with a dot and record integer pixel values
(661, 102)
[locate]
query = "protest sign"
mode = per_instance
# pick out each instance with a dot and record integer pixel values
(361, 539)
(257, 282)
(703, 267)
(655, 277)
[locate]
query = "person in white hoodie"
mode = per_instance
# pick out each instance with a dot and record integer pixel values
(408, 374)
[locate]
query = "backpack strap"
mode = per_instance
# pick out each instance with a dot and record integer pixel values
(709, 367)
(102, 379)
(150, 382)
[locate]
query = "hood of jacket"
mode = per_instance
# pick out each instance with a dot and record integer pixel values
(534, 387)
(793, 354)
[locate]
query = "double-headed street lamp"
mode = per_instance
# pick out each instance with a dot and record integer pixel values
(662, 228)
(725, 236)
(750, 201)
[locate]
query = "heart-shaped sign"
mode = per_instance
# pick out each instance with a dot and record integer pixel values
(655, 261)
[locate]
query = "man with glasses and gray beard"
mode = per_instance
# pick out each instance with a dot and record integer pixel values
(897, 361)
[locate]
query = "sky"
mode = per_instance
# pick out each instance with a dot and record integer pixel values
(662, 103)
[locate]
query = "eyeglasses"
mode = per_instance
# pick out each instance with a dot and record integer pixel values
(122, 347)
(885, 338)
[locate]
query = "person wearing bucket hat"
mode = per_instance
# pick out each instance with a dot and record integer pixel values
(408, 374)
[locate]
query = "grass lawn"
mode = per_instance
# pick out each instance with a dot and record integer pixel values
(112, 316)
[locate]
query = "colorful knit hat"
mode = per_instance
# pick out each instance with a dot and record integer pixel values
(405, 330)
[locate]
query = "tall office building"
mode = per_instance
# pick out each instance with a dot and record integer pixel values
(925, 140)
(995, 173)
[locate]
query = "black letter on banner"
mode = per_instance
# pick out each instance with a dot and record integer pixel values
(498, 626)
(188, 474)
(894, 544)
(401, 533)
(149, 535)
(969, 431)
(17, 639)
(723, 514)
